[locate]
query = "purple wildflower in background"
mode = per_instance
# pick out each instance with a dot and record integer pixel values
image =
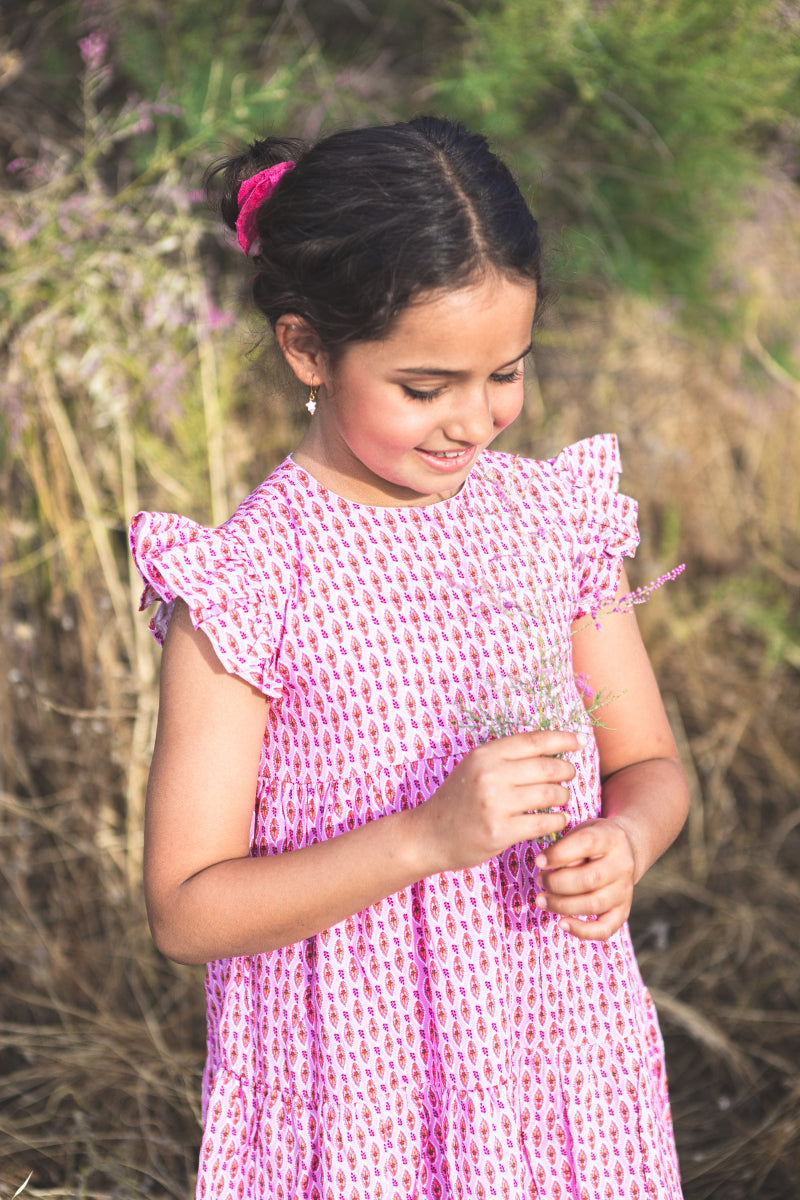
(13, 412)
(27, 235)
(93, 49)
(217, 317)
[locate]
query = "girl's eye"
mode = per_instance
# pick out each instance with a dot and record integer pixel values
(511, 377)
(415, 395)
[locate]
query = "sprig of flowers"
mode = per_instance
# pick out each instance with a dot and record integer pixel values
(554, 696)
(639, 595)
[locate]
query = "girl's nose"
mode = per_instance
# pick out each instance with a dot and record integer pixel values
(471, 418)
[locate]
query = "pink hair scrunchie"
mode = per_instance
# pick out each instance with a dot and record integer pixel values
(251, 194)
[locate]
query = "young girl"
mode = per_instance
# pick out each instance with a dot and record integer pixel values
(420, 981)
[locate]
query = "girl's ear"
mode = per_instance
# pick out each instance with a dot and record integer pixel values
(302, 349)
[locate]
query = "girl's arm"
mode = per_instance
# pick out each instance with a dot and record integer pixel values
(592, 870)
(207, 898)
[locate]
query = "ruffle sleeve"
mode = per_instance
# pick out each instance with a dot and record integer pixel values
(604, 520)
(227, 596)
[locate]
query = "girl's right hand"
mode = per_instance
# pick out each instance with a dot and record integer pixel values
(497, 796)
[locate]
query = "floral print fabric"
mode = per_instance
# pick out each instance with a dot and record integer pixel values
(450, 1041)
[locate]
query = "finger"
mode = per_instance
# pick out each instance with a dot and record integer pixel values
(538, 742)
(537, 798)
(586, 904)
(522, 771)
(539, 826)
(588, 878)
(598, 929)
(584, 842)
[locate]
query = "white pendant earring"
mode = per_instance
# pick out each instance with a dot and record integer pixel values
(311, 402)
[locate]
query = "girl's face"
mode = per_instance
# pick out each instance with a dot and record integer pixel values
(402, 420)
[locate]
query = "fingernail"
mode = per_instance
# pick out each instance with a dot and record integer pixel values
(582, 739)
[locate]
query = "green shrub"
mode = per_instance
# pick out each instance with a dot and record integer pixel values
(633, 122)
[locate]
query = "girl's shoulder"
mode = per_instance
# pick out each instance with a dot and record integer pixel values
(233, 577)
(585, 467)
(574, 495)
(270, 506)
(577, 489)
(249, 537)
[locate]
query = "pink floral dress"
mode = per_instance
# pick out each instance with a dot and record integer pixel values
(450, 1041)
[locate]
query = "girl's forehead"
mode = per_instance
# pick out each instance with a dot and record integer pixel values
(490, 289)
(490, 313)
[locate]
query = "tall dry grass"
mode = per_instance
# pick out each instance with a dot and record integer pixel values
(126, 384)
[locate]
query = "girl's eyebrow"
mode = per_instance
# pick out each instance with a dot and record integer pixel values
(445, 371)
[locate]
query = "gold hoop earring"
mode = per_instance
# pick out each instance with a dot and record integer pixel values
(311, 402)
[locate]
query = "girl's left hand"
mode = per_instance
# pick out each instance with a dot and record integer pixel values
(589, 872)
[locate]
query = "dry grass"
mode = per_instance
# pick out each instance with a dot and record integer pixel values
(101, 1043)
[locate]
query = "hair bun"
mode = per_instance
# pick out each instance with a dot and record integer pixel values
(224, 179)
(252, 194)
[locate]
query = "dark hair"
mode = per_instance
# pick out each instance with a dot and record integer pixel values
(371, 218)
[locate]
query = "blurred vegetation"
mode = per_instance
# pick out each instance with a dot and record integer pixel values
(636, 122)
(659, 144)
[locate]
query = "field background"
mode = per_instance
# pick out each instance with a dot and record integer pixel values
(659, 140)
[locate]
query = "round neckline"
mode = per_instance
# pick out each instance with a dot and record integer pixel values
(435, 505)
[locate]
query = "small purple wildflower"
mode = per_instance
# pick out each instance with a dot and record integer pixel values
(165, 394)
(217, 317)
(144, 124)
(641, 594)
(93, 49)
(27, 235)
(12, 411)
(162, 106)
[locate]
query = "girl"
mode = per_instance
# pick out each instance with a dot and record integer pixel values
(420, 978)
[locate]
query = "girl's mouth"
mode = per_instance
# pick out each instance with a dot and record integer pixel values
(448, 460)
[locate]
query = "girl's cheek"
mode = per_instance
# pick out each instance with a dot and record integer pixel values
(506, 412)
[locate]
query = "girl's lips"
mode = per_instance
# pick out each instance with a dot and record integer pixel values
(446, 461)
